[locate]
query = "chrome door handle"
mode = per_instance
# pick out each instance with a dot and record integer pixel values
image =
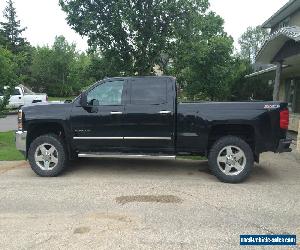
(165, 112)
(116, 113)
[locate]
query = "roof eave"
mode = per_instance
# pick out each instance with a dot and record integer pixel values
(282, 35)
(268, 24)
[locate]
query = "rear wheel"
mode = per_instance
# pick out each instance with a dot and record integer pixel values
(231, 159)
(47, 155)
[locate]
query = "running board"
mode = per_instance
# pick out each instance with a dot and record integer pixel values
(126, 156)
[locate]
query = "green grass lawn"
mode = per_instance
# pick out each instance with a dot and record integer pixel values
(52, 99)
(8, 151)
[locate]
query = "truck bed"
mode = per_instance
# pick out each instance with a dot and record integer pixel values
(197, 121)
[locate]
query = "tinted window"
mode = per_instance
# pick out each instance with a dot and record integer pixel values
(148, 91)
(108, 93)
(16, 92)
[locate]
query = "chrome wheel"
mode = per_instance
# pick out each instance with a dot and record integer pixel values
(231, 160)
(46, 156)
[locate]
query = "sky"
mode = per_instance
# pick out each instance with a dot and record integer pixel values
(44, 19)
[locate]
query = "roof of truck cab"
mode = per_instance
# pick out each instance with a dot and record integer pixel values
(133, 77)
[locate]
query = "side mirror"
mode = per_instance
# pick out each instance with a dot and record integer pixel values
(91, 108)
(83, 100)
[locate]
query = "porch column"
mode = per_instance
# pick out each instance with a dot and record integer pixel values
(277, 81)
(298, 139)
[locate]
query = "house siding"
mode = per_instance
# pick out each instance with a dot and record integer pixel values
(295, 19)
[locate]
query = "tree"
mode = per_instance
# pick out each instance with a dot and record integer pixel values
(201, 58)
(2, 39)
(11, 38)
(78, 75)
(251, 42)
(42, 69)
(131, 33)
(243, 88)
(11, 29)
(102, 66)
(60, 70)
(8, 76)
(64, 55)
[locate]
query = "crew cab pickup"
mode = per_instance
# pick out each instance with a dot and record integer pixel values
(141, 117)
(22, 96)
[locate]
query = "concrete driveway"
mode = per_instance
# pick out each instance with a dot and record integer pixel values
(8, 123)
(134, 204)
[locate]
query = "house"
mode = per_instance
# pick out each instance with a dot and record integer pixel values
(282, 50)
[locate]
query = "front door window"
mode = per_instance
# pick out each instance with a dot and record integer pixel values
(107, 93)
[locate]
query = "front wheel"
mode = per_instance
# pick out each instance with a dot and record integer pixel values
(47, 155)
(231, 159)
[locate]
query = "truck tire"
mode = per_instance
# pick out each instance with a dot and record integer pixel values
(47, 155)
(231, 159)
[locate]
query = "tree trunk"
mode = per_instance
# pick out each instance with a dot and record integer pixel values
(277, 81)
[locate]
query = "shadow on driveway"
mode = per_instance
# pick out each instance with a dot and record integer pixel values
(159, 169)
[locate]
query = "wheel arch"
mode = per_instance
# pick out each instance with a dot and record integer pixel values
(43, 128)
(243, 131)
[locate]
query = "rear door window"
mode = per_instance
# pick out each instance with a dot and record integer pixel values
(148, 91)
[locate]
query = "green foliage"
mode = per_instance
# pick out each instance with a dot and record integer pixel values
(202, 60)
(251, 41)
(59, 70)
(130, 37)
(256, 88)
(11, 29)
(8, 76)
(60, 99)
(245, 89)
(13, 58)
(131, 34)
(2, 39)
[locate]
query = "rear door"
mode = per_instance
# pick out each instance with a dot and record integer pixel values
(148, 123)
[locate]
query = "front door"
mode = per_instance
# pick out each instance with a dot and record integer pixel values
(148, 123)
(99, 128)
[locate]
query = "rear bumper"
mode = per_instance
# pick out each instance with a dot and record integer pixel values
(21, 141)
(284, 146)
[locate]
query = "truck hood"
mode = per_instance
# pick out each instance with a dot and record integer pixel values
(47, 111)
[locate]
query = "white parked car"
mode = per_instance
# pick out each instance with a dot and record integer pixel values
(22, 96)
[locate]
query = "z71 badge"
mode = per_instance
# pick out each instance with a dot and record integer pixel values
(272, 106)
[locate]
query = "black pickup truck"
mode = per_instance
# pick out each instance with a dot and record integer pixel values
(141, 117)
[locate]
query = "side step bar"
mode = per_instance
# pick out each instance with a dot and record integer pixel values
(126, 156)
